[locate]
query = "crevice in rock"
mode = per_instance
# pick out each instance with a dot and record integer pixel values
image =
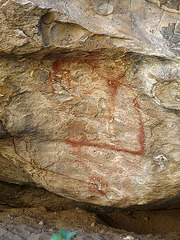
(163, 222)
(153, 222)
(3, 132)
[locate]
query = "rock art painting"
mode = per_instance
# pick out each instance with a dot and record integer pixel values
(120, 103)
(104, 130)
(90, 99)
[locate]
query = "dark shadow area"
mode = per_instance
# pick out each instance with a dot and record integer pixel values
(145, 222)
(162, 218)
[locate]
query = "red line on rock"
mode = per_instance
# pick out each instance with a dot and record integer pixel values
(113, 84)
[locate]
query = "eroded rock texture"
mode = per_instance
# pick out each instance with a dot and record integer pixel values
(90, 99)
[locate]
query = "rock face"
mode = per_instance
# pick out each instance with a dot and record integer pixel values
(90, 99)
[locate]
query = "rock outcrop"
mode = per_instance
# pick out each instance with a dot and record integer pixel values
(90, 99)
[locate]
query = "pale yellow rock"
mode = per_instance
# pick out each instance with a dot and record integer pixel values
(89, 99)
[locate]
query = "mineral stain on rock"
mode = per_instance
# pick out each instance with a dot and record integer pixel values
(172, 34)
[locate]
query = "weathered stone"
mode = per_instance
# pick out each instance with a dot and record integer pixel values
(81, 115)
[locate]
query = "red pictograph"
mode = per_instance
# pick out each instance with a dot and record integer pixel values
(113, 81)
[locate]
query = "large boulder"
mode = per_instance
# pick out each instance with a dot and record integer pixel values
(90, 99)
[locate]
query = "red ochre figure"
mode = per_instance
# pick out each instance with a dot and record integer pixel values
(95, 183)
(113, 85)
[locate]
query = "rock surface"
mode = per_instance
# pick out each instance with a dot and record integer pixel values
(90, 99)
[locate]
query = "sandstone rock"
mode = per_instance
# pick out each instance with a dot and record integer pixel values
(83, 113)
